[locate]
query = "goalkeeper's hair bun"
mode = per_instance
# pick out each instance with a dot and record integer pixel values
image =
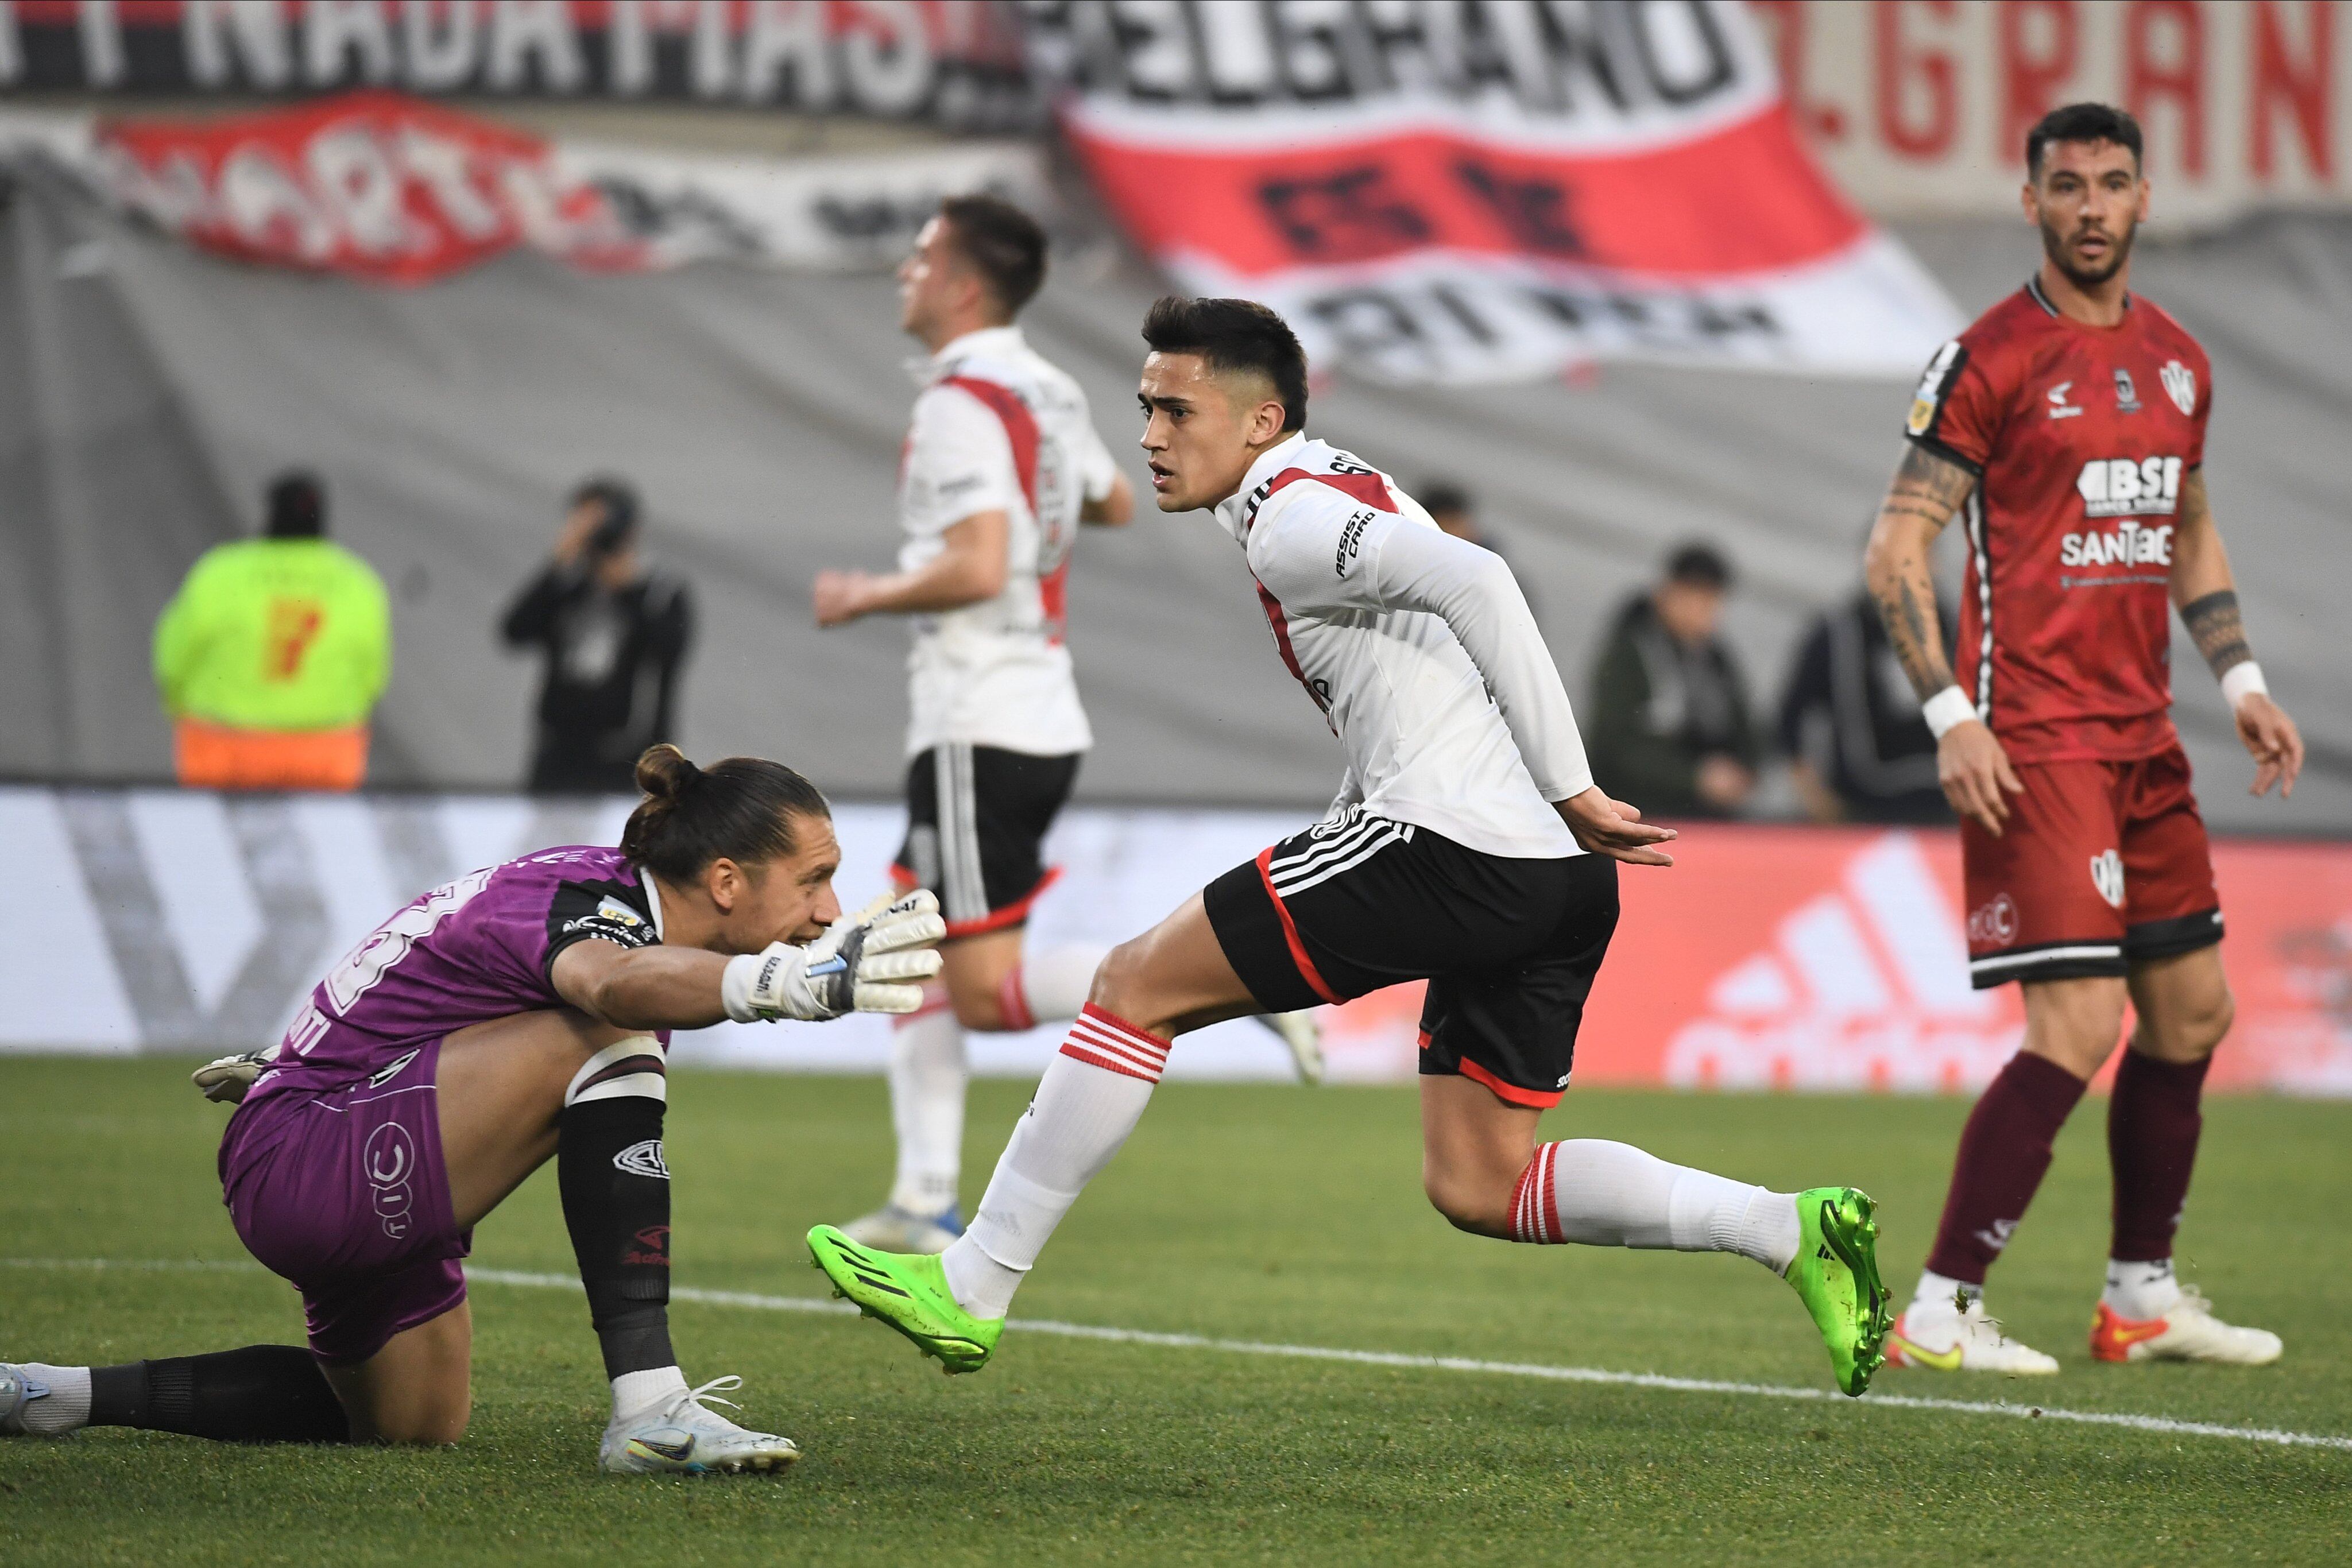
(744, 810)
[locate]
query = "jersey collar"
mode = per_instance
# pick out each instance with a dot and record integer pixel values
(1238, 510)
(986, 343)
(2042, 298)
(653, 899)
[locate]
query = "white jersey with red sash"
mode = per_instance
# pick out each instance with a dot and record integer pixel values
(1419, 650)
(996, 428)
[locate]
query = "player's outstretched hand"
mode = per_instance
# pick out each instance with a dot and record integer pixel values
(838, 597)
(874, 961)
(2273, 741)
(1976, 775)
(1614, 829)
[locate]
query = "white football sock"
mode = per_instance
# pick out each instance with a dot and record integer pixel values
(65, 1407)
(1940, 1295)
(2141, 1290)
(927, 1074)
(1089, 1100)
(1612, 1195)
(1050, 983)
(636, 1390)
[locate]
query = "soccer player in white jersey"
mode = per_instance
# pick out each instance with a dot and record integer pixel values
(1000, 467)
(1468, 846)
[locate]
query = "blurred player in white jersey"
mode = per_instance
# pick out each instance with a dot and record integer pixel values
(1469, 846)
(1000, 467)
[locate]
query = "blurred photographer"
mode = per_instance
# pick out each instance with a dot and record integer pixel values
(615, 634)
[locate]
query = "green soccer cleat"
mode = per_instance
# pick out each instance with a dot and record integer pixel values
(1836, 1275)
(910, 1295)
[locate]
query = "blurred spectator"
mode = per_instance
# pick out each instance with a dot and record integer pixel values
(273, 652)
(1449, 506)
(1857, 747)
(614, 636)
(1670, 729)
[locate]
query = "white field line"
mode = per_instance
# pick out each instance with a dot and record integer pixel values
(2165, 1425)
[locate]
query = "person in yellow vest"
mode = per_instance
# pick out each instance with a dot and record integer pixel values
(272, 654)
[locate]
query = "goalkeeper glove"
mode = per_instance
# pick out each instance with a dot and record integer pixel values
(225, 1078)
(872, 962)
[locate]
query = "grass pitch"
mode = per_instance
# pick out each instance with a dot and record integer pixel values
(1257, 1213)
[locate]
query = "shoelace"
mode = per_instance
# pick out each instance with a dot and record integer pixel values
(703, 1397)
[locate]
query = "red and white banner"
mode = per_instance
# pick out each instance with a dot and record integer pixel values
(1485, 191)
(1921, 107)
(402, 190)
(374, 183)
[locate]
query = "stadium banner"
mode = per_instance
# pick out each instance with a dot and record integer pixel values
(400, 189)
(1489, 192)
(1769, 957)
(1919, 108)
(957, 62)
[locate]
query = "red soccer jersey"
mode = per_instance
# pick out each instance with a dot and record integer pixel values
(2080, 438)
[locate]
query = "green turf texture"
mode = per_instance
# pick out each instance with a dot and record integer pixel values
(1257, 1212)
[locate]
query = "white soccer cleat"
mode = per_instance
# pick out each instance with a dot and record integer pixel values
(1304, 1036)
(2190, 1332)
(890, 1228)
(682, 1436)
(17, 1389)
(1962, 1341)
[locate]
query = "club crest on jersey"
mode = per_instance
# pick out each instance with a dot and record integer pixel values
(2122, 488)
(2180, 385)
(2126, 395)
(2108, 876)
(2059, 407)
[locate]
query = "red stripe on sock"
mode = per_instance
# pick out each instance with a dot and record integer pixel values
(1548, 1195)
(1104, 1039)
(1076, 1052)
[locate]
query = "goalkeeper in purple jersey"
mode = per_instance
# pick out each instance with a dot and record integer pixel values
(517, 1013)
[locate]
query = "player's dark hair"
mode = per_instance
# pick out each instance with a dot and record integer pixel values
(1003, 244)
(1233, 335)
(298, 506)
(2081, 122)
(1699, 565)
(742, 809)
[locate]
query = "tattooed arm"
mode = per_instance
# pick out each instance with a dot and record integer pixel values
(1927, 490)
(2208, 598)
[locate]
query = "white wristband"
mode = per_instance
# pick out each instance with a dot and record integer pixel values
(2239, 681)
(1946, 708)
(735, 984)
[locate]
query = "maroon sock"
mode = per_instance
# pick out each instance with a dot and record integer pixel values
(2152, 1127)
(2004, 1150)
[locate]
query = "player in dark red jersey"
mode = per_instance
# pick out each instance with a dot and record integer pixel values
(2068, 426)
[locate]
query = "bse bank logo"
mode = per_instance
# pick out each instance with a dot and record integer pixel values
(2123, 486)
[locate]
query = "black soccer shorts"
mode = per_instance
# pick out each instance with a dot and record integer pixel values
(1509, 947)
(976, 823)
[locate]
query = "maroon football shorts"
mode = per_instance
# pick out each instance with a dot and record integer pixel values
(2101, 865)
